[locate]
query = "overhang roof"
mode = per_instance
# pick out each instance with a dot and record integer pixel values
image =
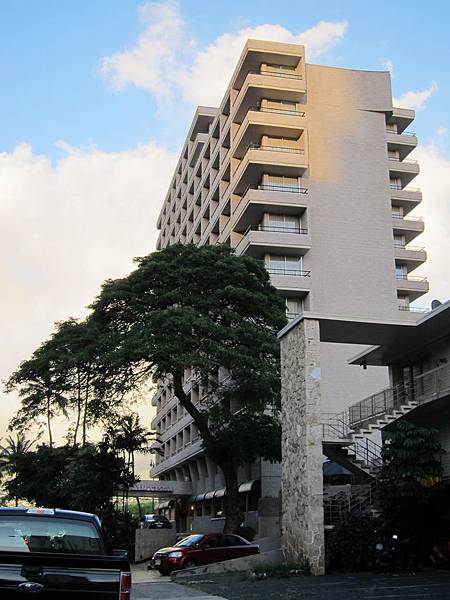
(390, 341)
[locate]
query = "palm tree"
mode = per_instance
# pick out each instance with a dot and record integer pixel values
(10, 452)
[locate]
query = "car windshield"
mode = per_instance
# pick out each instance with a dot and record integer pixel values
(190, 541)
(42, 534)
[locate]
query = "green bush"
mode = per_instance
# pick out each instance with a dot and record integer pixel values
(247, 532)
(120, 528)
(351, 544)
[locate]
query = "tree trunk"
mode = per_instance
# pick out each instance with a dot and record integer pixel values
(77, 424)
(232, 509)
(49, 426)
(232, 501)
(85, 410)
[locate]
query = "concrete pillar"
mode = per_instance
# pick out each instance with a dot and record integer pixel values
(302, 480)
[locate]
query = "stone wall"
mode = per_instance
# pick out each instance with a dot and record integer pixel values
(302, 480)
(148, 541)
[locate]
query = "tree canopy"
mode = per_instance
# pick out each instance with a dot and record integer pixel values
(205, 310)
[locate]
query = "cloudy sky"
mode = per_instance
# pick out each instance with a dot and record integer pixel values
(96, 97)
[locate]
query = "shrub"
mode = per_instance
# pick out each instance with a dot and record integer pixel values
(351, 544)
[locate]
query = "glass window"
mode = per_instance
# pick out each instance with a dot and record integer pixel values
(233, 540)
(190, 541)
(42, 534)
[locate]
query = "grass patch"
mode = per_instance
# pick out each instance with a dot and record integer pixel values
(278, 570)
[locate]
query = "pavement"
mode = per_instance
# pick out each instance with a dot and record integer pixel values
(150, 585)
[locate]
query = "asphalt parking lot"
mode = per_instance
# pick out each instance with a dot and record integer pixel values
(433, 585)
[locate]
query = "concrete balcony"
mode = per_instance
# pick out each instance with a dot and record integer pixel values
(272, 160)
(290, 282)
(408, 198)
(403, 143)
(272, 86)
(188, 452)
(401, 118)
(271, 122)
(405, 170)
(411, 256)
(410, 227)
(414, 287)
(265, 239)
(268, 199)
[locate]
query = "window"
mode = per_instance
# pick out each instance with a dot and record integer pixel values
(285, 183)
(288, 223)
(233, 540)
(399, 241)
(286, 264)
(294, 307)
(401, 272)
(403, 302)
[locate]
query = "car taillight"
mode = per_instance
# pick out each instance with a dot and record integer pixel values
(125, 586)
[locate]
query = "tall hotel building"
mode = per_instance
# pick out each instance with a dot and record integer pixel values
(304, 167)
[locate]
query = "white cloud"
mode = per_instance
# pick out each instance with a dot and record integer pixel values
(64, 228)
(434, 180)
(441, 132)
(162, 62)
(415, 100)
(148, 63)
(389, 66)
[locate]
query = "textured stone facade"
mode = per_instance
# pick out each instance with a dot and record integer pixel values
(302, 482)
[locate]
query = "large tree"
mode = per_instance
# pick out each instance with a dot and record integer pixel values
(215, 313)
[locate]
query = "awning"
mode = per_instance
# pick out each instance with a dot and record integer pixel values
(199, 497)
(330, 468)
(248, 486)
(166, 504)
(209, 495)
(219, 493)
(191, 499)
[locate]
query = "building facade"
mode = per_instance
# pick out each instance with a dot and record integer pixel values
(304, 167)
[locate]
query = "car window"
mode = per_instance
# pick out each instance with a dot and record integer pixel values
(214, 541)
(190, 541)
(233, 540)
(41, 534)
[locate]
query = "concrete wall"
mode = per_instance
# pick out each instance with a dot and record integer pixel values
(148, 541)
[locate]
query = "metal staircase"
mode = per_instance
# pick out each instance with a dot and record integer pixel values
(353, 439)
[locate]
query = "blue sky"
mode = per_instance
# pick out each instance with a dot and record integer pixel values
(96, 97)
(51, 50)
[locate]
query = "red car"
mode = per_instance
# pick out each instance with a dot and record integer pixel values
(197, 550)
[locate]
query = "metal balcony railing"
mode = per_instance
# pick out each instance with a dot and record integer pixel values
(291, 315)
(270, 148)
(283, 111)
(407, 218)
(398, 186)
(407, 133)
(275, 187)
(415, 309)
(277, 229)
(286, 75)
(406, 161)
(401, 246)
(406, 277)
(292, 272)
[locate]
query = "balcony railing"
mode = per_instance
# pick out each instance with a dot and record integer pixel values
(275, 187)
(415, 309)
(277, 229)
(406, 218)
(408, 133)
(399, 160)
(269, 148)
(398, 186)
(406, 277)
(291, 315)
(283, 111)
(406, 247)
(294, 272)
(276, 74)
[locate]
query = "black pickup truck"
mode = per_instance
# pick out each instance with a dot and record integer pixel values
(59, 554)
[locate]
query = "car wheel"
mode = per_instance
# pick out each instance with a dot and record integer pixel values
(189, 564)
(164, 571)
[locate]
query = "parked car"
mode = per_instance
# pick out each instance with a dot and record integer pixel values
(196, 550)
(156, 522)
(59, 554)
